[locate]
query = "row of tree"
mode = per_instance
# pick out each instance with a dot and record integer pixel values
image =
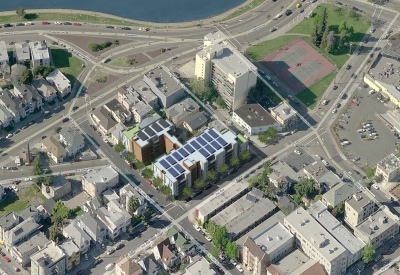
(220, 240)
(38, 172)
(204, 91)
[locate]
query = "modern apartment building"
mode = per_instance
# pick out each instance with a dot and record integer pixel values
(284, 114)
(221, 65)
(48, 260)
(183, 164)
(40, 53)
(60, 82)
(358, 208)
(96, 181)
(388, 168)
(316, 242)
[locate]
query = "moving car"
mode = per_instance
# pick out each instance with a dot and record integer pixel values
(348, 67)
(110, 27)
(273, 29)
(288, 12)
(65, 119)
(325, 162)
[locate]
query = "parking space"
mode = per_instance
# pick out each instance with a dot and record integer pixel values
(298, 159)
(362, 145)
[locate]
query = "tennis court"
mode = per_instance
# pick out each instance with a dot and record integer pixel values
(306, 71)
(289, 59)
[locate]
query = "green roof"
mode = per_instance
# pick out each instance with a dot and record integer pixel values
(241, 139)
(130, 133)
(179, 239)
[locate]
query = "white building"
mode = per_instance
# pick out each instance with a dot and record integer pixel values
(72, 141)
(127, 192)
(221, 65)
(78, 236)
(98, 180)
(48, 260)
(22, 53)
(284, 114)
(388, 168)
(115, 218)
(357, 208)
(4, 59)
(40, 53)
(60, 82)
(29, 97)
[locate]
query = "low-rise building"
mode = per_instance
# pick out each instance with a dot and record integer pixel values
(20, 233)
(78, 236)
(40, 53)
(54, 150)
(60, 187)
(126, 193)
(117, 111)
(46, 209)
(8, 222)
(45, 89)
(146, 95)
(30, 97)
(201, 266)
(126, 266)
(195, 122)
(388, 168)
(285, 115)
(60, 82)
(358, 208)
(23, 251)
(93, 227)
(4, 59)
(130, 100)
(378, 228)
(92, 205)
(255, 119)
(178, 112)
(115, 218)
(149, 265)
(339, 193)
(48, 260)
(163, 252)
(72, 254)
(103, 120)
(116, 135)
(22, 53)
(184, 246)
(6, 117)
(72, 141)
(98, 180)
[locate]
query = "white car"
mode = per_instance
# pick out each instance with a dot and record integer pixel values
(86, 257)
(233, 262)
(297, 152)
(318, 156)
(279, 15)
(325, 162)
(208, 238)
(9, 135)
(334, 111)
(239, 267)
(58, 23)
(197, 227)
(239, 179)
(375, 186)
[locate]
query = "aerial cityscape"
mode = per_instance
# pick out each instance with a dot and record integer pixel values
(250, 137)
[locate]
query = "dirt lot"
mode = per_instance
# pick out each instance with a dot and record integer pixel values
(96, 86)
(83, 41)
(156, 53)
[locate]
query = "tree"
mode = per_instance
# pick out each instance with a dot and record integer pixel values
(130, 229)
(157, 182)
(214, 251)
(220, 102)
(116, 42)
(133, 204)
(187, 191)
(55, 234)
(199, 184)
(130, 157)
(43, 70)
(270, 191)
(324, 39)
(26, 77)
(211, 175)
(223, 168)
(350, 32)
(245, 155)
(59, 209)
(166, 190)
(267, 164)
(37, 166)
(369, 185)
(220, 237)
(317, 19)
(231, 250)
(267, 135)
(305, 188)
(20, 12)
(370, 173)
(315, 37)
(211, 226)
(338, 211)
(140, 165)
(147, 214)
(234, 161)
(119, 147)
(147, 173)
(368, 253)
(342, 26)
(330, 42)
(130, 61)
(182, 267)
(318, 197)
(48, 180)
(202, 89)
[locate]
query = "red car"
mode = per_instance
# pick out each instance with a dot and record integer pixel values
(6, 258)
(16, 182)
(77, 24)
(65, 119)
(221, 271)
(355, 103)
(45, 23)
(149, 181)
(64, 175)
(273, 157)
(98, 133)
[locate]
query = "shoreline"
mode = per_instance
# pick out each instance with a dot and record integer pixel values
(187, 24)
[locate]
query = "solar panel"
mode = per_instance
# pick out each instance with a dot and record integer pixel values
(165, 164)
(170, 160)
(195, 144)
(179, 168)
(210, 149)
(201, 141)
(216, 145)
(204, 152)
(142, 136)
(183, 152)
(173, 172)
(207, 137)
(149, 131)
(156, 127)
(222, 141)
(213, 133)
(177, 156)
(163, 123)
(189, 148)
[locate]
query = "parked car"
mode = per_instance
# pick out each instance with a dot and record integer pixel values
(119, 245)
(110, 27)
(197, 227)
(325, 162)
(239, 267)
(45, 23)
(7, 259)
(65, 119)
(239, 178)
(86, 257)
(348, 67)
(77, 24)
(67, 23)
(338, 105)
(111, 251)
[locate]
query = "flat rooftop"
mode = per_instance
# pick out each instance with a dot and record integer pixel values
(144, 90)
(378, 222)
(386, 70)
(255, 115)
(164, 81)
(358, 201)
(273, 237)
(292, 262)
(37, 240)
(284, 111)
(49, 255)
(320, 212)
(100, 175)
(238, 207)
(390, 163)
(68, 247)
(3, 52)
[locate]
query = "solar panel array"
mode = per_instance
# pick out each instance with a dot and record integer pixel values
(150, 130)
(207, 144)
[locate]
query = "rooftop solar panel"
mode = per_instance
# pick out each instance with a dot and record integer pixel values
(207, 137)
(222, 141)
(163, 123)
(170, 160)
(189, 148)
(213, 133)
(183, 152)
(201, 141)
(204, 152)
(179, 168)
(156, 127)
(177, 156)
(173, 172)
(149, 131)
(142, 135)
(216, 145)
(165, 164)
(210, 149)
(195, 144)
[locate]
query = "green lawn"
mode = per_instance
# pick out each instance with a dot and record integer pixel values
(53, 16)
(68, 64)
(312, 94)
(120, 62)
(17, 202)
(244, 9)
(264, 49)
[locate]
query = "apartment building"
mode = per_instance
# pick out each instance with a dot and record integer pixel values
(47, 91)
(222, 66)
(316, 242)
(30, 97)
(378, 228)
(78, 236)
(22, 53)
(20, 233)
(54, 149)
(145, 93)
(115, 218)
(14, 104)
(178, 112)
(117, 111)
(72, 141)
(200, 266)
(23, 251)
(130, 100)
(48, 260)
(96, 181)
(358, 208)
(71, 252)
(60, 187)
(4, 59)
(60, 82)
(93, 227)
(126, 193)
(254, 119)
(284, 114)
(126, 266)
(195, 122)
(339, 193)
(6, 117)
(183, 164)
(167, 88)
(103, 119)
(40, 53)
(388, 168)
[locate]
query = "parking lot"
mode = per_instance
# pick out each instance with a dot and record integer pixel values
(370, 151)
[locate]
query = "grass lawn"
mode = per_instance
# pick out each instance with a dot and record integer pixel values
(264, 49)
(100, 76)
(244, 9)
(120, 62)
(68, 64)
(17, 202)
(50, 16)
(312, 94)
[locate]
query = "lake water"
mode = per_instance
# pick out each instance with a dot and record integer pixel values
(167, 11)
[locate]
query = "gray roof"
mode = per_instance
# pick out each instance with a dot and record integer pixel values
(377, 223)
(93, 224)
(117, 108)
(72, 138)
(358, 201)
(143, 90)
(28, 93)
(100, 175)
(12, 102)
(273, 237)
(22, 230)
(93, 204)
(182, 109)
(105, 118)
(339, 193)
(3, 52)
(34, 242)
(75, 233)
(329, 178)
(150, 265)
(28, 212)
(255, 115)
(160, 77)
(196, 121)
(43, 87)
(284, 111)
(22, 51)
(5, 115)
(17, 70)
(48, 206)
(48, 255)
(59, 182)
(68, 247)
(389, 163)
(292, 262)
(9, 220)
(53, 146)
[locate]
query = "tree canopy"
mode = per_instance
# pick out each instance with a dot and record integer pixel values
(211, 175)
(231, 250)
(267, 135)
(201, 89)
(305, 188)
(60, 210)
(119, 147)
(187, 191)
(147, 173)
(133, 204)
(140, 165)
(20, 12)
(245, 155)
(223, 168)
(220, 237)
(26, 77)
(368, 253)
(234, 161)
(130, 157)
(199, 184)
